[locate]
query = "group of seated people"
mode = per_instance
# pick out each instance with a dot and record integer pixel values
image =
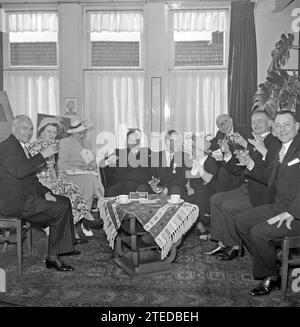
(245, 182)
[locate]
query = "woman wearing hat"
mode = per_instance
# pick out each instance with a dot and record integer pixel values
(47, 133)
(76, 163)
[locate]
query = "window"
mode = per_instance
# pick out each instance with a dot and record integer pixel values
(115, 39)
(32, 39)
(199, 38)
(30, 74)
(197, 84)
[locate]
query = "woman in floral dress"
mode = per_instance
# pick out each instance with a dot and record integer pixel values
(47, 133)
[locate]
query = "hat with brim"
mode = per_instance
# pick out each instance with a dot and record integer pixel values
(77, 127)
(48, 121)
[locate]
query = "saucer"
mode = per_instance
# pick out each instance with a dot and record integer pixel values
(119, 202)
(178, 202)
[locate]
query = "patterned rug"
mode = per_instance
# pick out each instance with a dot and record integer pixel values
(196, 280)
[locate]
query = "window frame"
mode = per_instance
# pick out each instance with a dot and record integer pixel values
(88, 53)
(6, 45)
(190, 8)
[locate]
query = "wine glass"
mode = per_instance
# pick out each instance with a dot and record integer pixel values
(154, 185)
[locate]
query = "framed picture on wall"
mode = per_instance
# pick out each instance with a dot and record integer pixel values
(71, 106)
(65, 123)
(6, 116)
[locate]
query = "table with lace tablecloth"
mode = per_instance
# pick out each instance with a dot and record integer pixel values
(165, 222)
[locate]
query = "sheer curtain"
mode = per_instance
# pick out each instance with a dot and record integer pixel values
(114, 99)
(197, 96)
(32, 91)
(114, 102)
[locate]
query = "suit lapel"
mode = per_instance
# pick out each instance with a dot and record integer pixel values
(288, 156)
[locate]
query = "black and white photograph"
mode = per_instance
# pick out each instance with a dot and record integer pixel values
(149, 157)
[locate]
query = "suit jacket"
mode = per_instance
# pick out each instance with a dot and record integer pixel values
(18, 177)
(175, 175)
(258, 190)
(130, 167)
(242, 129)
(283, 180)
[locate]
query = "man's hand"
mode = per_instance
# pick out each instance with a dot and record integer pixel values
(49, 151)
(190, 191)
(259, 144)
(50, 197)
(284, 216)
(240, 140)
(224, 146)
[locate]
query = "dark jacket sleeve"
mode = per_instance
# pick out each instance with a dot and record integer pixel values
(261, 172)
(41, 189)
(21, 169)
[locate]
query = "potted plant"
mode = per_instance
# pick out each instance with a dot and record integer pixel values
(281, 90)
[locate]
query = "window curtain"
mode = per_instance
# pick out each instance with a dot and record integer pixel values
(199, 21)
(116, 22)
(32, 92)
(242, 65)
(32, 22)
(196, 98)
(114, 102)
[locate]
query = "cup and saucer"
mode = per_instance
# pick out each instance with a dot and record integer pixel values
(123, 199)
(175, 199)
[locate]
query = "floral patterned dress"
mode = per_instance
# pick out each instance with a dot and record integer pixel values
(48, 177)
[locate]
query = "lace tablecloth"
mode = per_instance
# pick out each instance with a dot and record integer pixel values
(166, 222)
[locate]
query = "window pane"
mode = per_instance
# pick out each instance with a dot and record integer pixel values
(199, 37)
(115, 39)
(32, 39)
(115, 49)
(199, 48)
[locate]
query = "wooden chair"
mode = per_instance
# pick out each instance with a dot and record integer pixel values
(23, 231)
(288, 244)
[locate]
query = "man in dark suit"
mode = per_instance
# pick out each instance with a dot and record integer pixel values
(170, 165)
(130, 167)
(226, 205)
(264, 227)
(22, 195)
(226, 180)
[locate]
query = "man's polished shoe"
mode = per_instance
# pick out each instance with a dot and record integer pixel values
(58, 265)
(266, 286)
(216, 251)
(95, 224)
(230, 254)
(80, 240)
(75, 252)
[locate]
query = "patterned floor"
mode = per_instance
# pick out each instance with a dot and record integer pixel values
(196, 280)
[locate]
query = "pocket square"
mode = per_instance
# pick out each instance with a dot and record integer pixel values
(293, 162)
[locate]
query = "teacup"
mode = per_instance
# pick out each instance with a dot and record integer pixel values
(123, 198)
(175, 198)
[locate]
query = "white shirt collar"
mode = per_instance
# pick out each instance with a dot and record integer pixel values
(287, 145)
(202, 160)
(264, 135)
